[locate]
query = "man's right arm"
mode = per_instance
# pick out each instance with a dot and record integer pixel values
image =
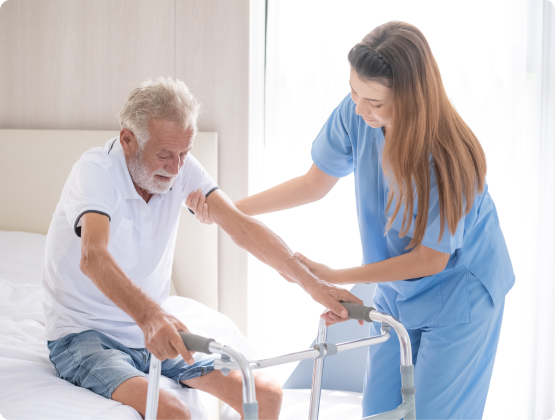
(160, 329)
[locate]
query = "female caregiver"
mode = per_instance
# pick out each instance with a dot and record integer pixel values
(442, 267)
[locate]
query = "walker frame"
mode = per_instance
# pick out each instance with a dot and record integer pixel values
(233, 360)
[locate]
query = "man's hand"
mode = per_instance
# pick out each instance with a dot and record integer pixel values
(329, 296)
(196, 201)
(162, 338)
(330, 275)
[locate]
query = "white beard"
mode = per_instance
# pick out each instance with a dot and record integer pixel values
(145, 180)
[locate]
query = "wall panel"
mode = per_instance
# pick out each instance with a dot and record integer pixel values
(212, 57)
(70, 64)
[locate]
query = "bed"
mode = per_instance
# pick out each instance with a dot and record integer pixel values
(29, 387)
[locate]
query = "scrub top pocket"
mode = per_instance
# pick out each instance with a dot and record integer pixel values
(122, 246)
(418, 302)
(434, 301)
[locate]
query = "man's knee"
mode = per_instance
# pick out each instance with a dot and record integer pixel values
(133, 393)
(269, 394)
(171, 407)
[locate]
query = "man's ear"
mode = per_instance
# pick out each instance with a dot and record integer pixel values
(128, 141)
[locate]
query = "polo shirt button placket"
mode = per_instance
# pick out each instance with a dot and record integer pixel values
(147, 228)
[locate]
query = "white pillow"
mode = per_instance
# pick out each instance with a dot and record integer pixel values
(21, 256)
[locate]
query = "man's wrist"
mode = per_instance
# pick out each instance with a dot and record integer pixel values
(147, 314)
(308, 281)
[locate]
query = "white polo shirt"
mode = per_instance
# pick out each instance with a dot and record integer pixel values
(142, 240)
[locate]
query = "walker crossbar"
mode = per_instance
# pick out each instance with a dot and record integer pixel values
(303, 355)
(233, 360)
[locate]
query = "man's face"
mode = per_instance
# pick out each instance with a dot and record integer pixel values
(154, 168)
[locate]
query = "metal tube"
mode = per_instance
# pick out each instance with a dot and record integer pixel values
(153, 388)
(305, 354)
(287, 358)
(249, 390)
(402, 411)
(317, 374)
(364, 342)
(404, 339)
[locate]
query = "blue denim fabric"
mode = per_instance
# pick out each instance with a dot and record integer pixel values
(94, 361)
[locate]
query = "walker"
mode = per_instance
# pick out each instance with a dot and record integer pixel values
(233, 360)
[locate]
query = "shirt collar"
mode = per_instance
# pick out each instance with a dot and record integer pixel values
(117, 155)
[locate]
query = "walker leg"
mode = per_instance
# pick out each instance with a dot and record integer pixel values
(408, 390)
(153, 388)
(317, 374)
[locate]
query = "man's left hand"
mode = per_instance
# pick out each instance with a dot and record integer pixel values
(196, 201)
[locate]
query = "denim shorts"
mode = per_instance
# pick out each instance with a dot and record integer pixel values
(94, 361)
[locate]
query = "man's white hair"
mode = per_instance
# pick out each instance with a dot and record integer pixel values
(161, 98)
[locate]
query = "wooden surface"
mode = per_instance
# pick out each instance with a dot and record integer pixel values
(69, 64)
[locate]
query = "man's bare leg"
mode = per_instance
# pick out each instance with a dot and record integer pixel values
(229, 390)
(133, 393)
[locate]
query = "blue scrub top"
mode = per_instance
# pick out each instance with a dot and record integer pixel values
(347, 144)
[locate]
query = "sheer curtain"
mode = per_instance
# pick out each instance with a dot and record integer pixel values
(497, 62)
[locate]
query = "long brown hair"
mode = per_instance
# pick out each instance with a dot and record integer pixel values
(423, 123)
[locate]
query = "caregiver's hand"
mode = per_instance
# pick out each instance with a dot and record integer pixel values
(319, 270)
(196, 202)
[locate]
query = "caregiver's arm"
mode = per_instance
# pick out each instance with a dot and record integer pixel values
(304, 189)
(420, 262)
(256, 238)
(160, 328)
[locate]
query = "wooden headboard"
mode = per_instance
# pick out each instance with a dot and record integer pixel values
(34, 165)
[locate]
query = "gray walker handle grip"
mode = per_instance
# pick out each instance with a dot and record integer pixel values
(195, 342)
(357, 311)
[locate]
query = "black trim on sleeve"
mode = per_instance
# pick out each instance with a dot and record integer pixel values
(77, 229)
(206, 196)
(211, 191)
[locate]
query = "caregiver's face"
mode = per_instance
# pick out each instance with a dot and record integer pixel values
(374, 101)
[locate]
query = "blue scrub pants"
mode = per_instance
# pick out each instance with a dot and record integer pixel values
(453, 364)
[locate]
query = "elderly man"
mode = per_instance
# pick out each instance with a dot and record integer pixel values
(109, 256)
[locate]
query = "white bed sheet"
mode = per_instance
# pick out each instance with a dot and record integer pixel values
(29, 387)
(21, 256)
